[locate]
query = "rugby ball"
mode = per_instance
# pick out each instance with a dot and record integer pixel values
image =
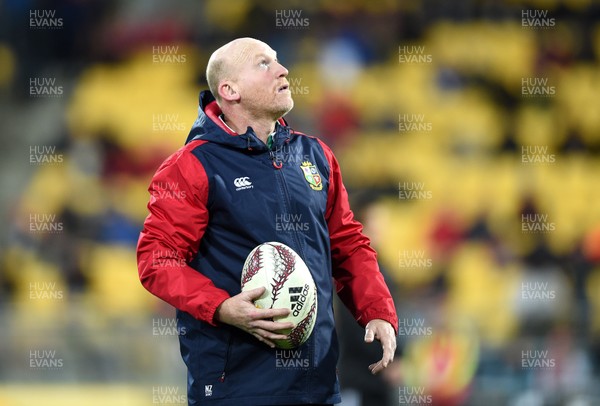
(288, 284)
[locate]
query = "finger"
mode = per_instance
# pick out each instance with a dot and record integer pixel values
(255, 293)
(274, 336)
(389, 346)
(271, 326)
(376, 367)
(388, 342)
(268, 314)
(272, 313)
(265, 341)
(259, 334)
(369, 335)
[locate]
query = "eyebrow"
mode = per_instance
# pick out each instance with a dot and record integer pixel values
(263, 55)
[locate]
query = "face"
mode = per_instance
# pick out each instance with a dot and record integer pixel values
(262, 82)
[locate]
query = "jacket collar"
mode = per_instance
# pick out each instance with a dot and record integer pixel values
(208, 126)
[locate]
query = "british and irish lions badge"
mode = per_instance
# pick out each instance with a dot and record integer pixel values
(312, 176)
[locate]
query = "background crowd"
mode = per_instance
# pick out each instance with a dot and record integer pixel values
(468, 134)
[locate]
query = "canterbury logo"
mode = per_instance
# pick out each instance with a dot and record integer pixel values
(242, 183)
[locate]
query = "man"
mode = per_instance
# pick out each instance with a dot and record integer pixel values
(242, 171)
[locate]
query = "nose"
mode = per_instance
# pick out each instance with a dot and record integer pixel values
(282, 71)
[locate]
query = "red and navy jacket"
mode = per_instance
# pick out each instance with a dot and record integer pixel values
(211, 203)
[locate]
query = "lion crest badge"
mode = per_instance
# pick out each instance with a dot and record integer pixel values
(312, 175)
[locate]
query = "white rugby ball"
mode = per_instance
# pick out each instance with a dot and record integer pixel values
(288, 284)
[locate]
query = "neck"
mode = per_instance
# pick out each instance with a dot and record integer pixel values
(240, 122)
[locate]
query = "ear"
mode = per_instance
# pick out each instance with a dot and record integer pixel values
(229, 91)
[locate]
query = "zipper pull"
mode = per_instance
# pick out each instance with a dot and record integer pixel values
(276, 165)
(222, 378)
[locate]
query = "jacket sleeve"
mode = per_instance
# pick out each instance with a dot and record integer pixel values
(171, 237)
(359, 283)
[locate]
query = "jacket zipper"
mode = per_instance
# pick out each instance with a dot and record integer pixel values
(276, 165)
(229, 342)
(279, 175)
(287, 203)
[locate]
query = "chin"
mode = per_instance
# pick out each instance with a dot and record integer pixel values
(285, 109)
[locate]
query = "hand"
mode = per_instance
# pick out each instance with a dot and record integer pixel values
(384, 332)
(239, 311)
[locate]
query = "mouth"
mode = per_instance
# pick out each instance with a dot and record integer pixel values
(283, 88)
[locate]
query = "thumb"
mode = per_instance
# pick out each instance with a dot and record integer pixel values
(255, 293)
(369, 335)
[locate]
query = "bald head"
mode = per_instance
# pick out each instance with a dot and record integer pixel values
(249, 84)
(225, 62)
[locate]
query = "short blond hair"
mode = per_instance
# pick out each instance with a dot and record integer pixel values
(215, 72)
(221, 64)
